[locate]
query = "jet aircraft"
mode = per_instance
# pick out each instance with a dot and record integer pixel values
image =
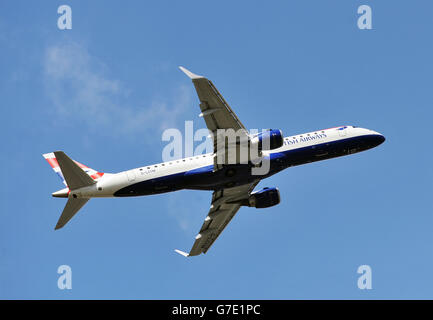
(232, 181)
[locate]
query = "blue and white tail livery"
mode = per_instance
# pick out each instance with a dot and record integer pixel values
(232, 184)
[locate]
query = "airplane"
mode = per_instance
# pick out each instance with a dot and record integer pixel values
(232, 183)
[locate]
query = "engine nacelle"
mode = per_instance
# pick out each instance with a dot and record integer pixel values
(265, 198)
(268, 140)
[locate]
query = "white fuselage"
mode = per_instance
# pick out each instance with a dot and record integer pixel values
(109, 184)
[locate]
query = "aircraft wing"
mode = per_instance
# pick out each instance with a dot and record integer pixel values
(215, 110)
(224, 206)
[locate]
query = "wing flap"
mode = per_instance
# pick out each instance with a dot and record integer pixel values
(222, 211)
(214, 109)
(203, 244)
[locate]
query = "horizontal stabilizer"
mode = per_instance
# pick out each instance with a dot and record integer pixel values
(75, 176)
(72, 207)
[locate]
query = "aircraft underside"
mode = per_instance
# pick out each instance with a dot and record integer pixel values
(235, 175)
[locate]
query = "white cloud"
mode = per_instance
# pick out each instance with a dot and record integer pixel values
(79, 89)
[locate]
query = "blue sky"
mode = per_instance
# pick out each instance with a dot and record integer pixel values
(104, 92)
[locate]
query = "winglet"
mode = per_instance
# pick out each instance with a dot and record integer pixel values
(182, 253)
(190, 74)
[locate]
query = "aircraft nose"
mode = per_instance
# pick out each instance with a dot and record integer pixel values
(378, 139)
(382, 138)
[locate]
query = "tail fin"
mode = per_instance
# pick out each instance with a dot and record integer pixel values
(73, 176)
(52, 160)
(72, 207)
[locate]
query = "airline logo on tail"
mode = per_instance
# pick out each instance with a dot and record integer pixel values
(51, 158)
(74, 175)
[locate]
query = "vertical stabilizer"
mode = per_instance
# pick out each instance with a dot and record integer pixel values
(75, 176)
(52, 161)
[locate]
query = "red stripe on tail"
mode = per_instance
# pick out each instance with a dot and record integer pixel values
(53, 162)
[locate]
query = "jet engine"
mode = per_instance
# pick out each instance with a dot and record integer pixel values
(268, 140)
(265, 198)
